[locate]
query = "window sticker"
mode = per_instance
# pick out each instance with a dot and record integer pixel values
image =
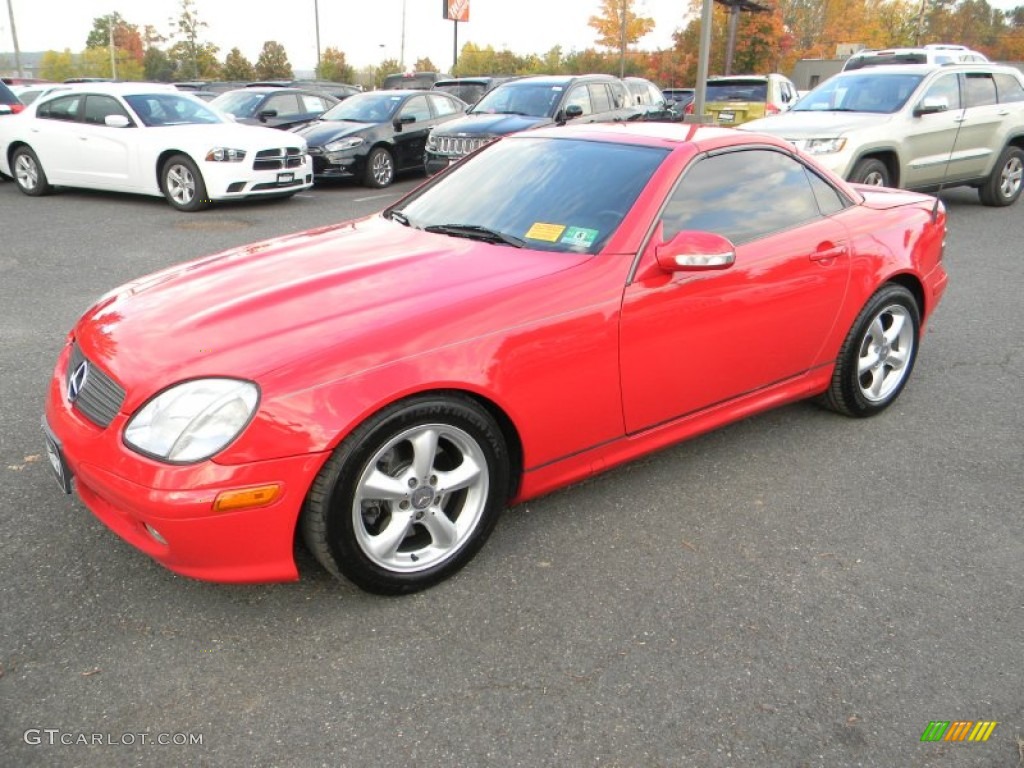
(579, 236)
(549, 233)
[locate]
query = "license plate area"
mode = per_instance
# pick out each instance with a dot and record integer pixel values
(55, 457)
(285, 178)
(726, 116)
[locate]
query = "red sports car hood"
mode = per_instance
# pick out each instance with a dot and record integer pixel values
(370, 291)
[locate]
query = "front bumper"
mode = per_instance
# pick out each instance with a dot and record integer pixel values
(233, 181)
(135, 496)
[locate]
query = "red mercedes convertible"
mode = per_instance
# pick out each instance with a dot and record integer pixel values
(557, 303)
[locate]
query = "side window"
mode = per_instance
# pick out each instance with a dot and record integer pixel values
(98, 107)
(442, 106)
(829, 199)
(620, 94)
(580, 96)
(981, 89)
(312, 103)
(600, 97)
(286, 105)
(416, 107)
(1009, 88)
(728, 194)
(62, 108)
(946, 87)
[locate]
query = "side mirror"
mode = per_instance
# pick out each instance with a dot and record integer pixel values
(573, 111)
(930, 105)
(690, 250)
(116, 121)
(404, 120)
(266, 114)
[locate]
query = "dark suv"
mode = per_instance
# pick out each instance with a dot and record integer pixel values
(530, 102)
(9, 103)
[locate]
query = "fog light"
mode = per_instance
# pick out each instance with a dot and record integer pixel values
(155, 534)
(246, 498)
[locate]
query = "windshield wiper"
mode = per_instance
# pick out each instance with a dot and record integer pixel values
(400, 217)
(475, 232)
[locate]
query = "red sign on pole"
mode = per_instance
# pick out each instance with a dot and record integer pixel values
(456, 10)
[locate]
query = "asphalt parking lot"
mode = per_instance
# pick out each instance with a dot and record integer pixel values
(798, 589)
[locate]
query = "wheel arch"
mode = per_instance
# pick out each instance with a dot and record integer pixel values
(12, 148)
(162, 159)
(916, 288)
(886, 155)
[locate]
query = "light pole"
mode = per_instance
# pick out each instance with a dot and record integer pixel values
(14, 39)
(316, 15)
(401, 55)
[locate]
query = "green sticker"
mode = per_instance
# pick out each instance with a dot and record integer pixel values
(580, 236)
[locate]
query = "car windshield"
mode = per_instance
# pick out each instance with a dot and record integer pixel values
(531, 99)
(377, 107)
(468, 92)
(866, 91)
(551, 194)
(161, 109)
(737, 90)
(237, 103)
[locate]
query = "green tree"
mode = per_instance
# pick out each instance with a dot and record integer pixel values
(237, 67)
(272, 63)
(334, 67)
(198, 62)
(157, 66)
(187, 49)
(58, 67)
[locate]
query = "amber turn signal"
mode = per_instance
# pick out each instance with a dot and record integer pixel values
(246, 498)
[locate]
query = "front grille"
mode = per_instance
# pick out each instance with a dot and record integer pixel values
(457, 146)
(100, 397)
(279, 159)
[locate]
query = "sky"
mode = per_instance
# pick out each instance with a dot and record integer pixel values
(366, 31)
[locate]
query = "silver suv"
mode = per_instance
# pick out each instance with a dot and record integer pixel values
(915, 126)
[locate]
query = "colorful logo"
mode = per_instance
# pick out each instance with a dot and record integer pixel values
(958, 730)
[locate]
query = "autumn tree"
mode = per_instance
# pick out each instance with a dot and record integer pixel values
(618, 26)
(334, 67)
(237, 67)
(272, 63)
(58, 67)
(187, 50)
(157, 66)
(425, 65)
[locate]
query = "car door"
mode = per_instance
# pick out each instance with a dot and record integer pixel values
(931, 140)
(412, 126)
(982, 133)
(54, 137)
(107, 152)
(690, 340)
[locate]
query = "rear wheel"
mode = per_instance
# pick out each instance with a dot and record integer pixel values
(878, 355)
(28, 173)
(1003, 187)
(410, 496)
(183, 184)
(871, 171)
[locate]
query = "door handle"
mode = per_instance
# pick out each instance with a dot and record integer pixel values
(827, 254)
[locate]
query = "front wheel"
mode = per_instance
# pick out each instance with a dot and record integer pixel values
(871, 171)
(28, 173)
(183, 184)
(1003, 187)
(410, 496)
(878, 355)
(380, 168)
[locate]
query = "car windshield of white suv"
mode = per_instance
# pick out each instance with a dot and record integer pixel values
(162, 109)
(532, 100)
(566, 195)
(865, 91)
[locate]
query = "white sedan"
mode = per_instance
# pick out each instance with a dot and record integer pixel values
(148, 139)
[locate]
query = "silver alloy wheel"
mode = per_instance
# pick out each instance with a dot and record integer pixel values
(1010, 177)
(420, 497)
(875, 179)
(885, 350)
(181, 184)
(382, 168)
(26, 171)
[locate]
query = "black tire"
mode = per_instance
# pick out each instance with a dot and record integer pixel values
(381, 511)
(29, 174)
(183, 185)
(1003, 186)
(878, 355)
(871, 171)
(380, 168)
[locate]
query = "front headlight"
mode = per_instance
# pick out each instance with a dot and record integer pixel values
(225, 155)
(193, 420)
(824, 146)
(342, 144)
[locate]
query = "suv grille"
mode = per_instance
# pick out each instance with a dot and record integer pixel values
(99, 397)
(457, 146)
(278, 159)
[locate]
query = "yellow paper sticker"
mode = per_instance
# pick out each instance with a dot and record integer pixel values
(546, 232)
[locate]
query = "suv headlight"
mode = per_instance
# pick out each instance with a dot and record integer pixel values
(342, 144)
(824, 146)
(193, 420)
(225, 155)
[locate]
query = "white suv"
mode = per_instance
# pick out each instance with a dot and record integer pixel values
(935, 53)
(915, 126)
